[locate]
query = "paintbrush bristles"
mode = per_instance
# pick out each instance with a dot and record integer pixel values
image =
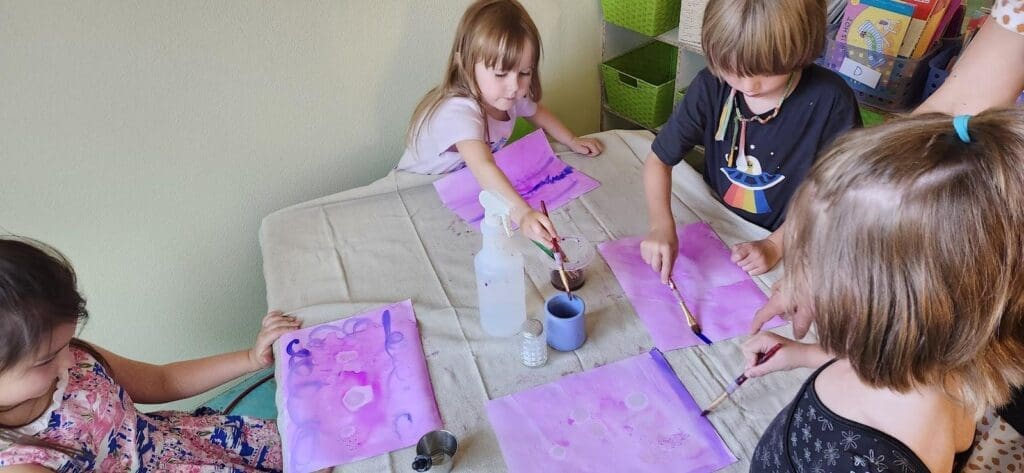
(714, 404)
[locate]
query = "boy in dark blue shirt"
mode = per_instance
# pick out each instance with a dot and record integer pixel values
(762, 110)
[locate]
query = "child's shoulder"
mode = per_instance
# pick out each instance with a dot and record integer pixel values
(826, 81)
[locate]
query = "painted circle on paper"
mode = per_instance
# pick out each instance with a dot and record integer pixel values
(557, 452)
(636, 401)
(579, 414)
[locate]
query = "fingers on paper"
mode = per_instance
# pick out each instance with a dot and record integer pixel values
(773, 307)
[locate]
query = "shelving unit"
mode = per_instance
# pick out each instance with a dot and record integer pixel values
(617, 40)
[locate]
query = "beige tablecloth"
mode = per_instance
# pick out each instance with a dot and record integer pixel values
(393, 240)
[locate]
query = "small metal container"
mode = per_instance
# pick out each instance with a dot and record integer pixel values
(435, 452)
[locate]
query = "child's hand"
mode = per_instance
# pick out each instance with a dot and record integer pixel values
(659, 250)
(586, 146)
(275, 324)
(790, 356)
(537, 227)
(756, 257)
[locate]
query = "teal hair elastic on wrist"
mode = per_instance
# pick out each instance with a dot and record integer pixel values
(960, 125)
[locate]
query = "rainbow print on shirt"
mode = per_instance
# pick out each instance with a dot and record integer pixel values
(749, 184)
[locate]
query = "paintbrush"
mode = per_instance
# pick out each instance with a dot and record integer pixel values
(761, 358)
(690, 319)
(558, 251)
(545, 249)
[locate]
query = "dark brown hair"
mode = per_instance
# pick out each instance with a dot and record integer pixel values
(38, 293)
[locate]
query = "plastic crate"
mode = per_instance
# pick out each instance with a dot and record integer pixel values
(937, 72)
(639, 85)
(649, 17)
(899, 83)
(679, 96)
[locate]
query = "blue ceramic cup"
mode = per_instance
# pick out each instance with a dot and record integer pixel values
(564, 319)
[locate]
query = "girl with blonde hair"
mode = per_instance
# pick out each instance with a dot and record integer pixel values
(491, 80)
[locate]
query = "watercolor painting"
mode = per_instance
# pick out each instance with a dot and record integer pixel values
(631, 415)
(719, 293)
(534, 170)
(352, 389)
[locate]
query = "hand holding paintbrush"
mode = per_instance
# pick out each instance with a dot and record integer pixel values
(560, 255)
(761, 358)
(690, 319)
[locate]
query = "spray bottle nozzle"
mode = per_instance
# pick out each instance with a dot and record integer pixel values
(496, 211)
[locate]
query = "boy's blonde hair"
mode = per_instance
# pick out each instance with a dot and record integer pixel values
(907, 245)
(762, 37)
(495, 32)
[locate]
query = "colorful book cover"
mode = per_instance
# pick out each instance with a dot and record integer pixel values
(923, 10)
(875, 25)
(931, 30)
(954, 16)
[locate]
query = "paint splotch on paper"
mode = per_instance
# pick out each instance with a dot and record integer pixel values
(631, 415)
(720, 294)
(533, 169)
(353, 388)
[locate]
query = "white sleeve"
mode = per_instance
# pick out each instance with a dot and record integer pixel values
(1009, 14)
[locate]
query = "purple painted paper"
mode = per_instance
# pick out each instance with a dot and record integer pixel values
(532, 168)
(353, 388)
(631, 415)
(720, 294)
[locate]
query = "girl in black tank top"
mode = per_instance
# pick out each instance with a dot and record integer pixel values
(904, 246)
(808, 437)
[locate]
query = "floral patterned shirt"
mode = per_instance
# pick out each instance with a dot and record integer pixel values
(808, 437)
(94, 415)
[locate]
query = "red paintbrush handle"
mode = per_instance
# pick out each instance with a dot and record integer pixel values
(761, 358)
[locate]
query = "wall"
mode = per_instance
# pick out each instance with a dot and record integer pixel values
(146, 140)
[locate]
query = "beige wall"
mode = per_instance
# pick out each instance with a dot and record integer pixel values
(147, 139)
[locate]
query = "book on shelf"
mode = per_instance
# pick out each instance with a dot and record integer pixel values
(932, 31)
(876, 25)
(923, 12)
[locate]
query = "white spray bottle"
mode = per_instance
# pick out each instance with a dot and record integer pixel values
(500, 281)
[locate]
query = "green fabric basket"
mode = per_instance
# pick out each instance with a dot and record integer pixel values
(679, 96)
(640, 84)
(648, 17)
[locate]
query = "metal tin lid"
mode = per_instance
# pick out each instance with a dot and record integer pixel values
(533, 328)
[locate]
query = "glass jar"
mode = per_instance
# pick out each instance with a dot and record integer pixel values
(534, 346)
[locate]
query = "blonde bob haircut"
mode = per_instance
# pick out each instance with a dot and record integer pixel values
(906, 244)
(496, 32)
(762, 37)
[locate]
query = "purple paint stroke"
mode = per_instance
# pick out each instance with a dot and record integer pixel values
(368, 371)
(532, 168)
(637, 405)
(720, 294)
(671, 378)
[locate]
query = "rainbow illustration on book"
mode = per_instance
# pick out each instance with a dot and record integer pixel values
(748, 185)
(878, 26)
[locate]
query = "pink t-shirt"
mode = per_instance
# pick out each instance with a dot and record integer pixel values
(458, 119)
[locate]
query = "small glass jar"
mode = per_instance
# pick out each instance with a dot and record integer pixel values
(534, 346)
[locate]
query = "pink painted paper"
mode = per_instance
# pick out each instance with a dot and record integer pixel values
(535, 172)
(719, 293)
(631, 415)
(352, 389)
